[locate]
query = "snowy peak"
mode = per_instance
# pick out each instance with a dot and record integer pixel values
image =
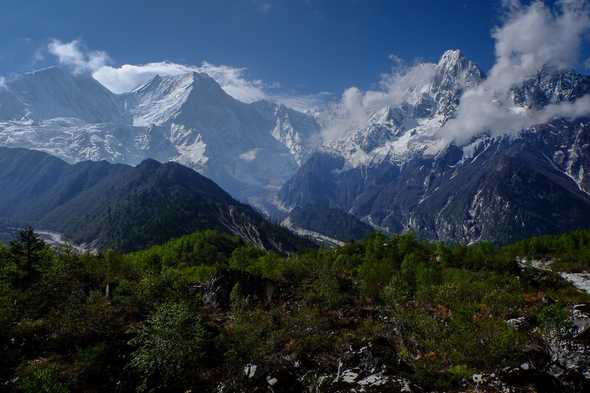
(454, 67)
(159, 99)
(454, 74)
(248, 148)
(291, 128)
(163, 97)
(53, 93)
(551, 86)
(451, 58)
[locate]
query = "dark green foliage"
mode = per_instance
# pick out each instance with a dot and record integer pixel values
(26, 253)
(40, 379)
(202, 248)
(570, 250)
(169, 349)
(141, 322)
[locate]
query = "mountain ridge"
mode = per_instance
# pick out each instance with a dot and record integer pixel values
(118, 206)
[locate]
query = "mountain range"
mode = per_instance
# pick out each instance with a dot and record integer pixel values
(387, 174)
(392, 175)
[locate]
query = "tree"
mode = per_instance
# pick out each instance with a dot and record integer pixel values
(27, 253)
(170, 347)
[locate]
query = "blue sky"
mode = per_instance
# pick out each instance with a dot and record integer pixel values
(305, 46)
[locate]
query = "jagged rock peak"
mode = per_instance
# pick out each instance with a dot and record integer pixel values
(451, 57)
(454, 64)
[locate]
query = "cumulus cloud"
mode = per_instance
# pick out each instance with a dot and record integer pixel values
(74, 55)
(532, 37)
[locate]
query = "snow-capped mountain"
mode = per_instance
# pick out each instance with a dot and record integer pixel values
(52, 93)
(396, 132)
(246, 148)
(396, 174)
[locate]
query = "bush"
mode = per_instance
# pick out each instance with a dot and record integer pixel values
(169, 349)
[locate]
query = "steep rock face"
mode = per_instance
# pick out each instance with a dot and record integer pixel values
(454, 74)
(250, 149)
(291, 128)
(393, 176)
(509, 191)
(124, 207)
(551, 86)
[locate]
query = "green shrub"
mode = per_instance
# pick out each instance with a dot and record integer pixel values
(169, 348)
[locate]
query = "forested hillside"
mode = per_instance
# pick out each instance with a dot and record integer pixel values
(102, 205)
(208, 313)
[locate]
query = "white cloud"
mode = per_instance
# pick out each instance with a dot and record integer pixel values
(75, 56)
(2, 82)
(531, 38)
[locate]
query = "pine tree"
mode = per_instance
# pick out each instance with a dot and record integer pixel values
(27, 253)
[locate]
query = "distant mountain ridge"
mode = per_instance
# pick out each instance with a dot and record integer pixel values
(118, 206)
